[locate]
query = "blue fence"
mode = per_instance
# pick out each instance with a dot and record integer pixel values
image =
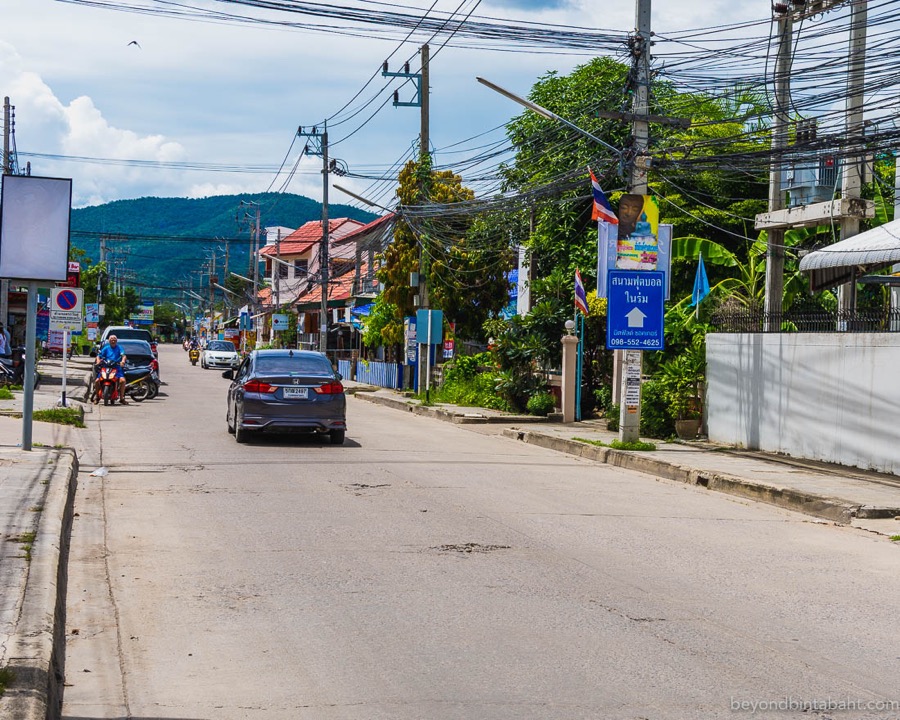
(382, 374)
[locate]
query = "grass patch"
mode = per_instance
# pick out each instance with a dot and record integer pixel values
(61, 416)
(26, 540)
(7, 677)
(895, 538)
(637, 445)
(36, 508)
(6, 393)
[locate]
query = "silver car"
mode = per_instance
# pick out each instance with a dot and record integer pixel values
(286, 390)
(219, 354)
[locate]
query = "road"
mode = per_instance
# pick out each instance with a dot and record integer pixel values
(428, 571)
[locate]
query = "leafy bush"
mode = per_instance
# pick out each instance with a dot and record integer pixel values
(656, 417)
(521, 354)
(681, 379)
(612, 417)
(5, 393)
(603, 398)
(541, 404)
(465, 367)
(477, 391)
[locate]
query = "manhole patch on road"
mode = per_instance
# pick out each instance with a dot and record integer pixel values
(470, 548)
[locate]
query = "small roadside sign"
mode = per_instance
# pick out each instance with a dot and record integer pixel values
(66, 308)
(636, 310)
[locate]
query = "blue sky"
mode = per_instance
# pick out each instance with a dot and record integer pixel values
(227, 95)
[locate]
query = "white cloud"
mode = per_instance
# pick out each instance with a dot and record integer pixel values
(214, 93)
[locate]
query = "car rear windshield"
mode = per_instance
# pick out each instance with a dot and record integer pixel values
(299, 365)
(221, 346)
(133, 334)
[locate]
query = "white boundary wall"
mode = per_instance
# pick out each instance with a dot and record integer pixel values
(821, 396)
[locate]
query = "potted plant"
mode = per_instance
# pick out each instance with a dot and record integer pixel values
(682, 380)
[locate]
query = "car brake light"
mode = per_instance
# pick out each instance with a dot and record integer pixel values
(154, 365)
(332, 388)
(257, 386)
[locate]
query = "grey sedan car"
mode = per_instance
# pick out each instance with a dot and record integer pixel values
(286, 390)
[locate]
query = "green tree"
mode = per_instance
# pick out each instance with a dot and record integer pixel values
(464, 265)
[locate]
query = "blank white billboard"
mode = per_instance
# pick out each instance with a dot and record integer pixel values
(34, 227)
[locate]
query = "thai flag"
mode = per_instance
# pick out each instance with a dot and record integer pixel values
(580, 295)
(602, 209)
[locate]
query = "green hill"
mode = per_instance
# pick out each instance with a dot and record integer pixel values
(163, 242)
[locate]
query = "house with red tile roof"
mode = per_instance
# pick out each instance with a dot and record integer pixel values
(352, 265)
(293, 260)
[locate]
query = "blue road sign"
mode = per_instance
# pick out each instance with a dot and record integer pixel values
(634, 316)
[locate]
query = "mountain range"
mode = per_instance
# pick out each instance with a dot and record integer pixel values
(162, 245)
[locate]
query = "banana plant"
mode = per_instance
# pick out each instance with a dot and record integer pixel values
(746, 282)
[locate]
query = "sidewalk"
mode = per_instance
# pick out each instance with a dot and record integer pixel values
(848, 496)
(37, 492)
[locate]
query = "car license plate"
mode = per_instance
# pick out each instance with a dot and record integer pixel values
(295, 393)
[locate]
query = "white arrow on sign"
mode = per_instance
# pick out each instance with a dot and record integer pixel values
(635, 318)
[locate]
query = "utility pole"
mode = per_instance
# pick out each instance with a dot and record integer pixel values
(322, 139)
(424, 161)
(631, 361)
(775, 243)
(212, 297)
(256, 272)
(420, 80)
(7, 168)
(851, 180)
(253, 267)
(323, 324)
(277, 269)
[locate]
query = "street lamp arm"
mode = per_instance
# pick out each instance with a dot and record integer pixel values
(360, 198)
(544, 112)
(230, 292)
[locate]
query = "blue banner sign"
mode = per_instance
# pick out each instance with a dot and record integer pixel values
(636, 310)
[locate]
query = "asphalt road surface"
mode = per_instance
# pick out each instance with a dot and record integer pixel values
(427, 571)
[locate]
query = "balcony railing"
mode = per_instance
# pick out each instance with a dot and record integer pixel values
(838, 321)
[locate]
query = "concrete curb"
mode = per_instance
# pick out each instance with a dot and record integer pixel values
(446, 415)
(834, 509)
(37, 650)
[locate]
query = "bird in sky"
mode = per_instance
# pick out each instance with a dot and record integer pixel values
(135, 42)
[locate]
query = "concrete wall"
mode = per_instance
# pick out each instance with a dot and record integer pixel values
(822, 396)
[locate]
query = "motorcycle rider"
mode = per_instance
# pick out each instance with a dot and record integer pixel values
(112, 353)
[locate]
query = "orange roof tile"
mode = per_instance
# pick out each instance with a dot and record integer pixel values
(338, 289)
(310, 234)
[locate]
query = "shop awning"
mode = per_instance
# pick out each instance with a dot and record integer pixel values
(839, 263)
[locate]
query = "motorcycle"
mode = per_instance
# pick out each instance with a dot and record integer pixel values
(141, 383)
(12, 368)
(106, 385)
(194, 355)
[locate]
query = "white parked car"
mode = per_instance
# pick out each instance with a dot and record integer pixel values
(220, 354)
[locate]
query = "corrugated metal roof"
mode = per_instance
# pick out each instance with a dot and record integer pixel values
(878, 246)
(868, 251)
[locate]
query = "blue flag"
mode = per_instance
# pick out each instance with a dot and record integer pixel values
(701, 284)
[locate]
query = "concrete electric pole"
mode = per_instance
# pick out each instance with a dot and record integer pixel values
(631, 361)
(322, 139)
(851, 177)
(7, 168)
(780, 120)
(420, 80)
(425, 160)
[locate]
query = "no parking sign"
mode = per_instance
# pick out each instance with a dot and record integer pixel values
(66, 308)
